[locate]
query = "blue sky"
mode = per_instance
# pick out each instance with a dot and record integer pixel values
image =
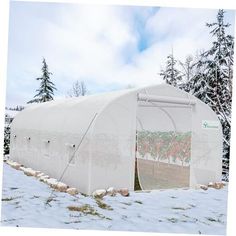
(108, 47)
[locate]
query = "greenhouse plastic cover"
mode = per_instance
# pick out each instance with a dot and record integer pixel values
(99, 139)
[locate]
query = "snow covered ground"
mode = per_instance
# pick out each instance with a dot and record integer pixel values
(167, 211)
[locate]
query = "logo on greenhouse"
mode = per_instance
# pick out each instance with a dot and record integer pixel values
(210, 124)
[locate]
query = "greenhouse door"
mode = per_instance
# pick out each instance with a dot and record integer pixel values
(163, 142)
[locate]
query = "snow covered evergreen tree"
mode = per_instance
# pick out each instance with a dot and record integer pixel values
(197, 85)
(7, 133)
(171, 75)
(46, 90)
(213, 81)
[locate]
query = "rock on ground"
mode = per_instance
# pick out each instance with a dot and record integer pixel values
(99, 193)
(72, 191)
(124, 192)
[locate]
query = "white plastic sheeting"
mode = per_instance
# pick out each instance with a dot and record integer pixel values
(47, 136)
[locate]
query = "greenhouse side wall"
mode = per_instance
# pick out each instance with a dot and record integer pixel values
(112, 149)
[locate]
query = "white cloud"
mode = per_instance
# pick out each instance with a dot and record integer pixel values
(99, 44)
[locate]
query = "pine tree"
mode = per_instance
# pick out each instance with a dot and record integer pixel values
(197, 85)
(171, 75)
(213, 81)
(7, 132)
(46, 90)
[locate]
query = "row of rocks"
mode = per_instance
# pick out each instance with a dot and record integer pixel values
(62, 187)
(216, 185)
(100, 193)
(53, 183)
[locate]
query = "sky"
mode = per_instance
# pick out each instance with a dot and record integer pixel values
(108, 47)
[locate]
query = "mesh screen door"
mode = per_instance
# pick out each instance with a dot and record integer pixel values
(163, 145)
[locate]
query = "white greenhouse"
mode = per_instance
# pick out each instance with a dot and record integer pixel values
(148, 138)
